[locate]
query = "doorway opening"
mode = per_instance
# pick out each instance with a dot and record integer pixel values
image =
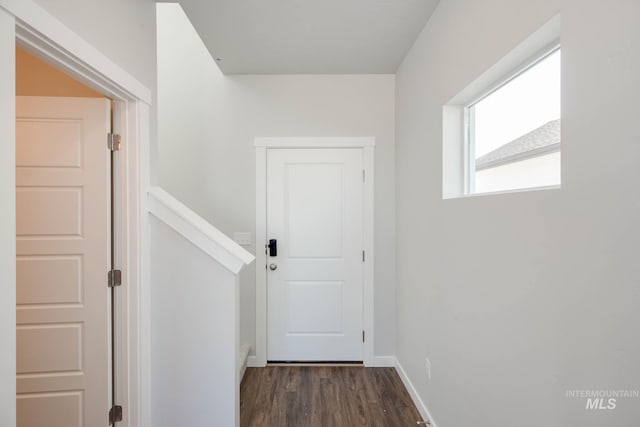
(44, 37)
(333, 183)
(65, 233)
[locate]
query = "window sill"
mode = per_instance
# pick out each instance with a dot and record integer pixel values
(497, 193)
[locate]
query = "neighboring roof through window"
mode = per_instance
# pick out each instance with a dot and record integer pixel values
(540, 141)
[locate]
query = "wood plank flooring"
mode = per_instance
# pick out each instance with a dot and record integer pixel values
(325, 396)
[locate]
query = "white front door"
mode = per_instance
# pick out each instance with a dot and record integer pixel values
(63, 241)
(315, 282)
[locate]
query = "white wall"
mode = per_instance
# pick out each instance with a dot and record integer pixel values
(193, 360)
(207, 126)
(517, 298)
(123, 30)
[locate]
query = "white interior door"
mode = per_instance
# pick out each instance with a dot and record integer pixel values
(314, 294)
(63, 241)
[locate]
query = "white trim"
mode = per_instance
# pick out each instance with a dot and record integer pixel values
(516, 190)
(243, 360)
(142, 371)
(368, 270)
(192, 227)
(338, 142)
(121, 251)
(469, 143)
(42, 32)
(383, 362)
(7, 221)
(261, 258)
(48, 38)
(454, 177)
(131, 121)
(422, 408)
(262, 145)
(253, 362)
(236, 351)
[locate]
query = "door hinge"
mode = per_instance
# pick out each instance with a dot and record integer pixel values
(115, 415)
(363, 256)
(363, 175)
(113, 141)
(362, 336)
(114, 278)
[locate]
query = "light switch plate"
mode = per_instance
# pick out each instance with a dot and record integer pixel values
(243, 238)
(427, 365)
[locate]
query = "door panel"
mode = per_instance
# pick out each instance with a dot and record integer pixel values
(309, 200)
(37, 355)
(326, 296)
(63, 238)
(37, 149)
(314, 210)
(49, 211)
(49, 280)
(50, 409)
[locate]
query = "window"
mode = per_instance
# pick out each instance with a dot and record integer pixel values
(513, 131)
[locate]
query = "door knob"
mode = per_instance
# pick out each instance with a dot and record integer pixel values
(273, 267)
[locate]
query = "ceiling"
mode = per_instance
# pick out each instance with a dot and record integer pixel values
(308, 36)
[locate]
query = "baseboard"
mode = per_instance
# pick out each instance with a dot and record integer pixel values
(252, 362)
(244, 358)
(422, 408)
(382, 362)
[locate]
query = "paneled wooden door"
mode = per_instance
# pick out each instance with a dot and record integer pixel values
(315, 280)
(63, 255)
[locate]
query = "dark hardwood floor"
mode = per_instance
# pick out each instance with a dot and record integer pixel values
(324, 396)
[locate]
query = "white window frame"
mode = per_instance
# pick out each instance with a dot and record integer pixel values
(457, 181)
(469, 116)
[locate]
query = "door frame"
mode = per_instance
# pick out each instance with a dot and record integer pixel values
(30, 26)
(367, 144)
